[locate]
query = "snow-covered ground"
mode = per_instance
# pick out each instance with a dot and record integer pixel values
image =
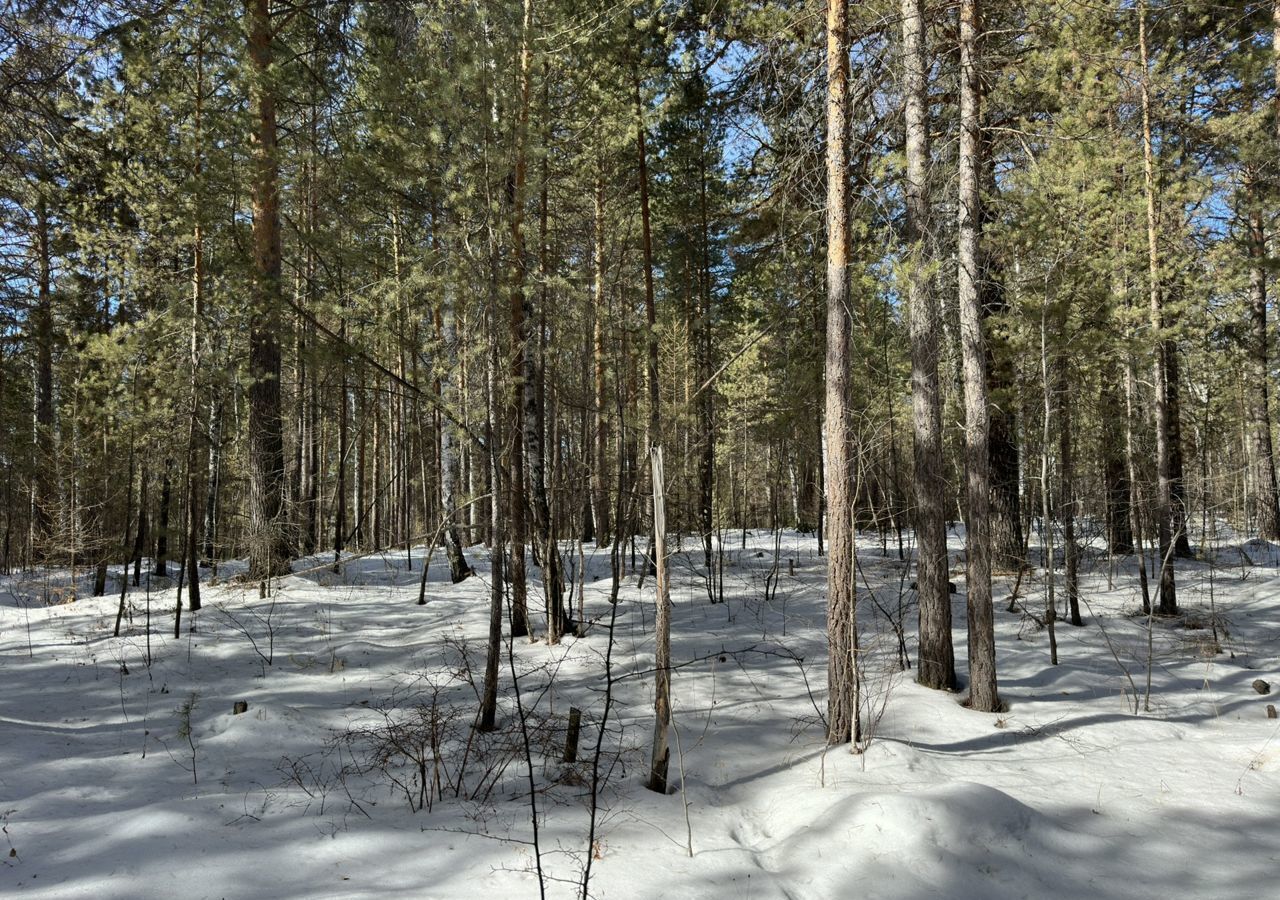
(1070, 793)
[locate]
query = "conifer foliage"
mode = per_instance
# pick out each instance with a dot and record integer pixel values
(286, 280)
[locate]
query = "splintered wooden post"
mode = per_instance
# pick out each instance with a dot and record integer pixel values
(571, 739)
(662, 634)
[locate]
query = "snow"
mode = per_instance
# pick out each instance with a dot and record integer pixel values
(1069, 793)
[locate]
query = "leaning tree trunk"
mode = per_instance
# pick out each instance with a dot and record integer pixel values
(268, 548)
(842, 661)
(983, 693)
(936, 655)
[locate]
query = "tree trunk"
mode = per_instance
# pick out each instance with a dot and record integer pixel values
(1114, 471)
(497, 545)
(1266, 499)
(519, 334)
(558, 619)
(842, 663)
(983, 693)
(1067, 502)
(600, 424)
(42, 495)
(215, 480)
(936, 658)
(662, 635)
(1006, 501)
(1164, 349)
(458, 567)
(268, 549)
(162, 532)
(706, 410)
(340, 487)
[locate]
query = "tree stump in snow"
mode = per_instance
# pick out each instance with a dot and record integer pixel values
(571, 739)
(240, 706)
(1261, 686)
(1271, 710)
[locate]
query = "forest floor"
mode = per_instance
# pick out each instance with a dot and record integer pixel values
(120, 779)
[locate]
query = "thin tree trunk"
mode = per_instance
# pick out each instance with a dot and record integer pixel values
(340, 488)
(458, 567)
(42, 495)
(600, 424)
(558, 619)
(191, 532)
(1067, 502)
(1115, 472)
(1266, 492)
(162, 533)
(519, 335)
(215, 480)
(1046, 516)
(497, 546)
(662, 635)
(650, 307)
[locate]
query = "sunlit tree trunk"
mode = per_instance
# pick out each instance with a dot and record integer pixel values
(842, 662)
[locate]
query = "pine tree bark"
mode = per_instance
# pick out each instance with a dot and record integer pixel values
(449, 470)
(842, 663)
(983, 693)
(1114, 470)
(1164, 348)
(650, 306)
(214, 479)
(1266, 500)
(1067, 487)
(161, 568)
(42, 495)
(599, 422)
(1006, 501)
(191, 532)
(558, 619)
(660, 756)
(269, 551)
(705, 406)
(519, 331)
(936, 657)
(344, 446)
